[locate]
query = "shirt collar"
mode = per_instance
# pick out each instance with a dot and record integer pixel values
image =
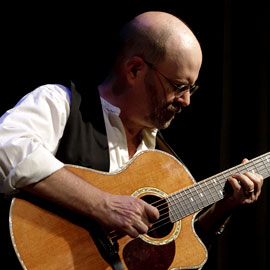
(146, 132)
(109, 107)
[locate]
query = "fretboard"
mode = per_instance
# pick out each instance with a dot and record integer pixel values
(204, 193)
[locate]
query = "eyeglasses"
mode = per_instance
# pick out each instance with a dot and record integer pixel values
(178, 88)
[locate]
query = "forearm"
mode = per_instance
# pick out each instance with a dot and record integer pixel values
(216, 215)
(69, 190)
(210, 223)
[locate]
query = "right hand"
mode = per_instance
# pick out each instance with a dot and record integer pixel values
(127, 214)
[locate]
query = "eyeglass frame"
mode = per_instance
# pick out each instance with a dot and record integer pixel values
(178, 88)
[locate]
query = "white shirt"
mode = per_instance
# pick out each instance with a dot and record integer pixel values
(118, 149)
(30, 134)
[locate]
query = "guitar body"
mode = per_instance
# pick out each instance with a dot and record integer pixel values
(45, 239)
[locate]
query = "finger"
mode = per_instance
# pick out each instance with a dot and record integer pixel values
(145, 215)
(246, 183)
(133, 231)
(235, 184)
(152, 213)
(134, 227)
(257, 180)
(239, 196)
(140, 227)
(238, 189)
(249, 195)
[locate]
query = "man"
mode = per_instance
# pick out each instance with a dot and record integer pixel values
(152, 79)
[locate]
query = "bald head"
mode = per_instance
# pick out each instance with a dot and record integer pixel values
(157, 36)
(161, 21)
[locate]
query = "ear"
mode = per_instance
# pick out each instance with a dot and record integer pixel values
(134, 65)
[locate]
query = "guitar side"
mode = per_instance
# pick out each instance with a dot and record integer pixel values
(45, 240)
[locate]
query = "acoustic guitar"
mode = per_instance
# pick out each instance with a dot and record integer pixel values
(47, 236)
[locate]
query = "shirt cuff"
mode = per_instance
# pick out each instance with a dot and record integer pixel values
(37, 166)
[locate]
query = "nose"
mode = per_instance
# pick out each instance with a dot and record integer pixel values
(184, 99)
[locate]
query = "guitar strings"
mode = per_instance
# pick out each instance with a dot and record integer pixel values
(162, 221)
(162, 202)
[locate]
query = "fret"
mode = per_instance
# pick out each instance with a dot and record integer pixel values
(218, 194)
(206, 186)
(259, 167)
(171, 203)
(228, 174)
(193, 197)
(201, 198)
(186, 202)
(238, 169)
(233, 171)
(202, 201)
(266, 162)
(204, 193)
(176, 207)
(208, 190)
(211, 189)
(218, 188)
(245, 168)
(190, 201)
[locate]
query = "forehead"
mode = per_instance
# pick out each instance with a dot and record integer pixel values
(182, 64)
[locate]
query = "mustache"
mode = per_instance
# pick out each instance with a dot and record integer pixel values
(174, 107)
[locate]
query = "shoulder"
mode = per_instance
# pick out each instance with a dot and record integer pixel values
(55, 92)
(52, 97)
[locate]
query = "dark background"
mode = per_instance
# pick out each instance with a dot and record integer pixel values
(228, 118)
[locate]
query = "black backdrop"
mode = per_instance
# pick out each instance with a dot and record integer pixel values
(228, 117)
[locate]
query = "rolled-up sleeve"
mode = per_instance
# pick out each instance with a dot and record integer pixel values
(29, 137)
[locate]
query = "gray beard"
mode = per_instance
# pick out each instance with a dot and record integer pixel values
(161, 113)
(164, 117)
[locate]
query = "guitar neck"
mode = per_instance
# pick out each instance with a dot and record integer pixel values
(204, 193)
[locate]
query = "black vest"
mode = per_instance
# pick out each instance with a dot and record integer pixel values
(84, 141)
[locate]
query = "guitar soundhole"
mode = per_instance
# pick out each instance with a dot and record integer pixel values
(163, 225)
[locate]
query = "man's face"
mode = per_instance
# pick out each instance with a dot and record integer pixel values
(168, 88)
(162, 108)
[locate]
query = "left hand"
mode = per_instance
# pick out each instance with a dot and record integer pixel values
(246, 187)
